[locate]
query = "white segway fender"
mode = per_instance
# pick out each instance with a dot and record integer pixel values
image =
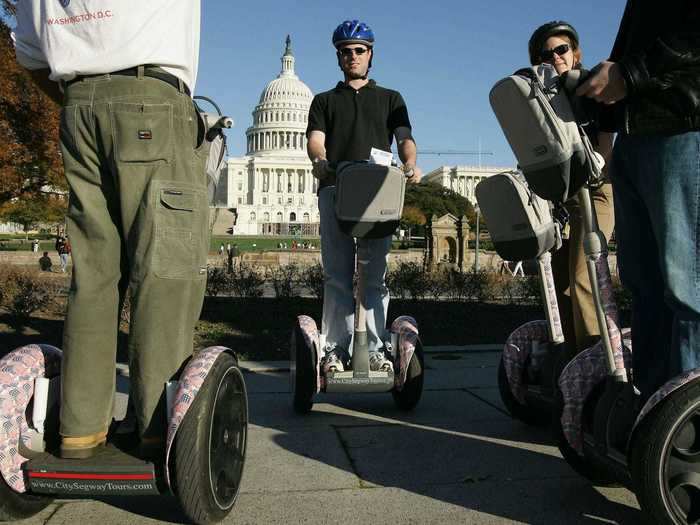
(663, 392)
(581, 376)
(517, 349)
(18, 371)
(188, 386)
(406, 328)
(311, 337)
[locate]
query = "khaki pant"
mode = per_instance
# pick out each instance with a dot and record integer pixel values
(137, 216)
(571, 281)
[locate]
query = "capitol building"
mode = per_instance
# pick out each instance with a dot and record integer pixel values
(270, 190)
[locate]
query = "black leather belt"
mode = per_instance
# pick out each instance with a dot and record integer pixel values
(147, 72)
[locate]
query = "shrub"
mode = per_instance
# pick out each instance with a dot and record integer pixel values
(457, 285)
(218, 280)
(312, 279)
(25, 292)
(409, 278)
(247, 282)
(284, 280)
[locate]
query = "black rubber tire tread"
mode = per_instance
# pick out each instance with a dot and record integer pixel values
(645, 455)
(410, 395)
(15, 506)
(579, 463)
(517, 410)
(305, 385)
(191, 462)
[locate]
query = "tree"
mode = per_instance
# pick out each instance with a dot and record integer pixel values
(30, 161)
(432, 199)
(411, 217)
(31, 211)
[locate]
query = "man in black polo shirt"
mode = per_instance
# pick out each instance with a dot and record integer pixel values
(346, 124)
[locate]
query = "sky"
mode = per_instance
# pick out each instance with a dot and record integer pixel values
(442, 55)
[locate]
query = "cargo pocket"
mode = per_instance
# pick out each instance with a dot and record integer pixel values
(142, 132)
(180, 211)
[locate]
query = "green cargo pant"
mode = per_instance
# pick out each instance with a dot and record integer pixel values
(138, 216)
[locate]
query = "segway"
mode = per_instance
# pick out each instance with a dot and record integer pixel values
(601, 430)
(203, 456)
(370, 208)
(522, 226)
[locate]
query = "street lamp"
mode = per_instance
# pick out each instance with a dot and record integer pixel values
(476, 243)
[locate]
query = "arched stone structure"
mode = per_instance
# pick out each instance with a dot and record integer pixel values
(447, 241)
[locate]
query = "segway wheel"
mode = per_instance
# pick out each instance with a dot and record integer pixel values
(304, 371)
(407, 398)
(210, 445)
(578, 463)
(664, 459)
(522, 412)
(15, 506)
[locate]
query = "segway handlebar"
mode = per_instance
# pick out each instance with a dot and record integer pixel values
(332, 167)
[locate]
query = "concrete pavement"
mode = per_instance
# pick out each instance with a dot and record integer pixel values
(458, 458)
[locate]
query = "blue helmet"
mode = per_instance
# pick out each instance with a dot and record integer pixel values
(352, 31)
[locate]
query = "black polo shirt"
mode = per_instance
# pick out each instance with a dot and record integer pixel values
(355, 121)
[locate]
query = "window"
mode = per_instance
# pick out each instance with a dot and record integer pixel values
(240, 200)
(279, 200)
(264, 200)
(252, 216)
(306, 217)
(266, 217)
(292, 217)
(240, 186)
(279, 216)
(290, 201)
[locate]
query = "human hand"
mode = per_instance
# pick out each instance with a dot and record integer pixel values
(605, 84)
(413, 173)
(320, 168)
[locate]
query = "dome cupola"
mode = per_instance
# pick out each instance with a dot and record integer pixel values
(280, 118)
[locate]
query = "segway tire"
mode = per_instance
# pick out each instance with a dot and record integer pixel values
(409, 396)
(664, 459)
(210, 445)
(16, 506)
(305, 379)
(578, 463)
(516, 409)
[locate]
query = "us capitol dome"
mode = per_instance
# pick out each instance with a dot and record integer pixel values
(270, 190)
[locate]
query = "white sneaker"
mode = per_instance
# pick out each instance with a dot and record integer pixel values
(333, 361)
(378, 362)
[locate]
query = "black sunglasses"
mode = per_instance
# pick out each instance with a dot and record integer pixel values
(548, 54)
(348, 51)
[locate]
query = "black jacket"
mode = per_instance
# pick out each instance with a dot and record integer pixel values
(658, 49)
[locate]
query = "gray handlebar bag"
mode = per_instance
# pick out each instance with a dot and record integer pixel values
(536, 117)
(369, 199)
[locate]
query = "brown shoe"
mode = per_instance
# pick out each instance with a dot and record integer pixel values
(82, 447)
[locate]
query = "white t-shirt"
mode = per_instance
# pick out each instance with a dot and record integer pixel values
(88, 37)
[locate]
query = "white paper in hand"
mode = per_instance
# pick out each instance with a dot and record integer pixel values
(381, 157)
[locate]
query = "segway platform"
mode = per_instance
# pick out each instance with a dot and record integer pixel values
(109, 472)
(350, 381)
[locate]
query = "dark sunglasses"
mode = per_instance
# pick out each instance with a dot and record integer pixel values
(348, 51)
(548, 54)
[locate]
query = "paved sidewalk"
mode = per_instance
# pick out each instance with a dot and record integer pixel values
(458, 458)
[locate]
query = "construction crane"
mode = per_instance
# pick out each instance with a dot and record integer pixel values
(478, 152)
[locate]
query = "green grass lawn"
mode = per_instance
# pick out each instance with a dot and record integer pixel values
(252, 244)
